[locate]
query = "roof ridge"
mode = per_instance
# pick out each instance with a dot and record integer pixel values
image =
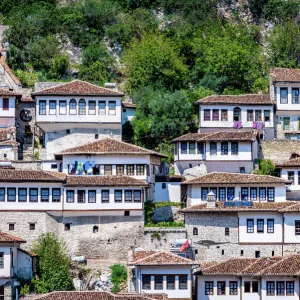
(274, 265)
(151, 255)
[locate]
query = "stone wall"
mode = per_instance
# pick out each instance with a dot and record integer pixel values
(115, 237)
(8, 295)
(27, 165)
(167, 213)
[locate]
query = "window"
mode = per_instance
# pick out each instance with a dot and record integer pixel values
(130, 170)
(192, 148)
(250, 225)
(271, 194)
(283, 96)
(120, 170)
(270, 225)
(242, 252)
(295, 96)
(31, 226)
(158, 282)
(56, 193)
(257, 254)
(195, 231)
(183, 147)
(33, 195)
(128, 196)
(1, 265)
(183, 282)
(234, 148)
(92, 107)
(260, 225)
(73, 107)
(224, 148)
(297, 227)
(221, 287)
(105, 196)
(5, 105)
(92, 196)
(291, 176)
(107, 170)
(230, 194)
(11, 194)
(112, 107)
(44, 195)
(137, 196)
(82, 107)
(262, 194)
(80, 196)
(200, 147)
(213, 148)
(242, 170)
(140, 170)
(22, 195)
(11, 226)
(204, 192)
(118, 196)
(244, 194)
(236, 114)
(267, 115)
(258, 115)
(254, 286)
(250, 115)
(273, 253)
(70, 196)
(28, 130)
(95, 229)
(96, 136)
(286, 123)
(253, 194)
(227, 231)
(2, 194)
(206, 114)
(209, 287)
(163, 185)
(52, 107)
(280, 288)
(42, 107)
(62, 107)
(170, 282)
(224, 115)
(146, 282)
(126, 213)
(247, 287)
(67, 226)
(290, 288)
(233, 285)
(53, 166)
(215, 115)
(222, 194)
(102, 105)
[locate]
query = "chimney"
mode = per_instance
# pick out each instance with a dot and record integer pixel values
(111, 86)
(211, 200)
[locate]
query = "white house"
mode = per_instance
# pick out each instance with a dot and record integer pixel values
(128, 111)
(71, 114)
(284, 90)
(15, 263)
(218, 151)
(155, 272)
(237, 112)
(249, 279)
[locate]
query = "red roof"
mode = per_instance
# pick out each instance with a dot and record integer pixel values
(8, 238)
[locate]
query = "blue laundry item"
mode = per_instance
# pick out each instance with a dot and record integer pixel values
(86, 165)
(76, 165)
(93, 164)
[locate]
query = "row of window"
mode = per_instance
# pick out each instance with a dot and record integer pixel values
(222, 115)
(284, 95)
(252, 193)
(282, 288)
(291, 177)
(260, 225)
(190, 148)
(82, 195)
(170, 282)
(221, 288)
(74, 109)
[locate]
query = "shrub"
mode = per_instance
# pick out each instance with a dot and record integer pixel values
(118, 275)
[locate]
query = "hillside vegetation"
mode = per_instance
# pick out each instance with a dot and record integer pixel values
(164, 53)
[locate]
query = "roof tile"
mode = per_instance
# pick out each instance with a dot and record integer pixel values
(285, 75)
(8, 238)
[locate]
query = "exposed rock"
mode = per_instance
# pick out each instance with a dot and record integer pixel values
(195, 172)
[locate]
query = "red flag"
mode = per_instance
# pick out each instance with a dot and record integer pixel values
(184, 246)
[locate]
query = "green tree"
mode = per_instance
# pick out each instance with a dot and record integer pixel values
(59, 66)
(154, 60)
(53, 265)
(266, 167)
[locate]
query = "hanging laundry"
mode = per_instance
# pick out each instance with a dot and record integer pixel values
(237, 124)
(71, 167)
(254, 125)
(86, 165)
(93, 164)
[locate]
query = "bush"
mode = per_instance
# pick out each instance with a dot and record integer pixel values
(118, 275)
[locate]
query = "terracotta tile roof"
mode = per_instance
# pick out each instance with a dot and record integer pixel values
(248, 99)
(9, 143)
(128, 105)
(5, 133)
(79, 88)
(8, 238)
(291, 208)
(157, 258)
(28, 252)
(9, 71)
(7, 175)
(109, 146)
(219, 136)
(260, 264)
(235, 178)
(6, 92)
(285, 75)
(104, 181)
(295, 162)
(256, 206)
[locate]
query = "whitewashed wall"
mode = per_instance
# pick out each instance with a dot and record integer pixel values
(172, 192)
(289, 106)
(128, 114)
(289, 228)
(6, 271)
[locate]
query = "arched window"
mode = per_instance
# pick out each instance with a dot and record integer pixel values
(82, 107)
(73, 107)
(195, 231)
(236, 114)
(226, 231)
(95, 229)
